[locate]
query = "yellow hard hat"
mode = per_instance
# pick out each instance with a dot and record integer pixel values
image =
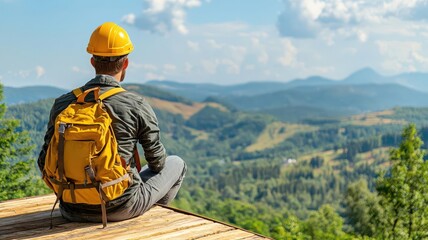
(109, 40)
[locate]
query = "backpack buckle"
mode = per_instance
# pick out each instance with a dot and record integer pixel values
(62, 127)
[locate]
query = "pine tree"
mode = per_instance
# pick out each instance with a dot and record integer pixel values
(403, 191)
(17, 169)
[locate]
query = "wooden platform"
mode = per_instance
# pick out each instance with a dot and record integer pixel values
(29, 218)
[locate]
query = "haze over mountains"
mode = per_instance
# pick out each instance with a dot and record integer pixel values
(198, 92)
(314, 97)
(362, 91)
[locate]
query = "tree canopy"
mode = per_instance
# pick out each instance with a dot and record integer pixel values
(16, 165)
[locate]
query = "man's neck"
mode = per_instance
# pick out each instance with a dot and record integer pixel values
(115, 76)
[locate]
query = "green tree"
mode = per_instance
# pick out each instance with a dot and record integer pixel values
(17, 169)
(361, 206)
(325, 224)
(404, 192)
(292, 229)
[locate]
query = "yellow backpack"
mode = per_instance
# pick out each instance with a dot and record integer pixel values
(82, 164)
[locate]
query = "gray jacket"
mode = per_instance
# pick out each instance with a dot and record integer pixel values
(133, 120)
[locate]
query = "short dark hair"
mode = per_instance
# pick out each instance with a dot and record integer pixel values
(108, 65)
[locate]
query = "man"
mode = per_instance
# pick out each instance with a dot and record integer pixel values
(133, 121)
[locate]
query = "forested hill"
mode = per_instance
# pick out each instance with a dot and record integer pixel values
(250, 169)
(333, 100)
(314, 97)
(299, 101)
(15, 95)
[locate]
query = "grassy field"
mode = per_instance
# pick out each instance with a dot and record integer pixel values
(199, 135)
(374, 118)
(183, 109)
(276, 133)
(333, 158)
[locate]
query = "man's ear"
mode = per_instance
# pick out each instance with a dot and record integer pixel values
(92, 61)
(125, 64)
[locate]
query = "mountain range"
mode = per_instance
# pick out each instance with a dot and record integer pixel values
(198, 92)
(16, 95)
(296, 100)
(313, 97)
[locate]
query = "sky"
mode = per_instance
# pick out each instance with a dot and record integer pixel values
(43, 42)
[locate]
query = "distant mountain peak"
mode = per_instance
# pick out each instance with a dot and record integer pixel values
(365, 75)
(367, 71)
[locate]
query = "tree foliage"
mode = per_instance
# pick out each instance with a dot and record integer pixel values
(16, 165)
(361, 208)
(403, 191)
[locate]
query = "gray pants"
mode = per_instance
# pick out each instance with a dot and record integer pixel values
(159, 188)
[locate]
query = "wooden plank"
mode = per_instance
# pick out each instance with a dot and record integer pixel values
(33, 219)
(29, 201)
(77, 230)
(173, 223)
(155, 232)
(24, 210)
(18, 233)
(95, 231)
(121, 228)
(39, 222)
(255, 237)
(232, 234)
(194, 232)
(30, 219)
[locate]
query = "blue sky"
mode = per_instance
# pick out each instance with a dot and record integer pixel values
(214, 41)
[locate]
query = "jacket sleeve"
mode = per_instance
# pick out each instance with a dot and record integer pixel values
(47, 139)
(149, 138)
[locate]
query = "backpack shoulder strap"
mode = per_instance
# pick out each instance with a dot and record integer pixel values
(77, 92)
(111, 92)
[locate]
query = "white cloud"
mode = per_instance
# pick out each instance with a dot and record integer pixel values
(321, 70)
(23, 73)
(213, 43)
(362, 36)
(292, 22)
(40, 71)
(129, 19)
(75, 69)
(236, 53)
(402, 56)
(231, 66)
(169, 67)
(312, 9)
(153, 76)
(417, 56)
(210, 66)
(263, 57)
(255, 41)
(308, 18)
(193, 45)
(258, 46)
(162, 16)
(289, 54)
(399, 5)
(147, 67)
